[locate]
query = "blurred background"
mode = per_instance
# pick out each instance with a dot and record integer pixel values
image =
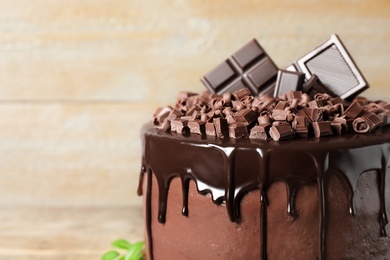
(78, 78)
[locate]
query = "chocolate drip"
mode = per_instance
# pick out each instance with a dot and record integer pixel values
(228, 169)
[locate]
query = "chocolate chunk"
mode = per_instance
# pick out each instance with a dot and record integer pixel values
(314, 114)
(179, 126)
(317, 103)
(354, 110)
(336, 101)
(259, 132)
(301, 126)
(249, 67)
(385, 117)
(288, 81)
(281, 132)
(322, 129)
(264, 120)
(221, 127)
(333, 65)
(230, 119)
(175, 113)
(197, 127)
(294, 95)
(246, 116)
(239, 94)
(337, 127)
(314, 86)
(372, 120)
(281, 105)
(280, 115)
(238, 130)
(210, 129)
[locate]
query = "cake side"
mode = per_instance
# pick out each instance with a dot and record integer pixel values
(229, 169)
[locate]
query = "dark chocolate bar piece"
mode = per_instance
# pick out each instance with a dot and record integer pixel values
(288, 81)
(249, 67)
(336, 69)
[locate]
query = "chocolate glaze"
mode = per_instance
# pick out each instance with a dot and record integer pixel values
(230, 168)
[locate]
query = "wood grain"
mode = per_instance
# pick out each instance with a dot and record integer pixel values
(65, 233)
(78, 78)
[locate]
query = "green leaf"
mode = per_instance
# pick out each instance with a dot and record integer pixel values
(121, 258)
(122, 244)
(110, 255)
(135, 252)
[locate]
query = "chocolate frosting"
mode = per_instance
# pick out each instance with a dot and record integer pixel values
(230, 168)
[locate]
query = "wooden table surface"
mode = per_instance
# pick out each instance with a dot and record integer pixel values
(79, 77)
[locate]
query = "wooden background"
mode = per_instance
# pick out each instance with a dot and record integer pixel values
(78, 78)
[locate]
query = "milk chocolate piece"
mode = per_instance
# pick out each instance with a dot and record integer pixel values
(197, 127)
(179, 126)
(259, 132)
(294, 95)
(281, 105)
(221, 127)
(282, 132)
(238, 130)
(249, 67)
(301, 126)
(210, 129)
(354, 110)
(288, 81)
(239, 94)
(280, 115)
(246, 116)
(322, 129)
(333, 65)
(337, 127)
(372, 120)
(385, 117)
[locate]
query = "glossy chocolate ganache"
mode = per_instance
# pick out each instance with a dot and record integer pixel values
(230, 168)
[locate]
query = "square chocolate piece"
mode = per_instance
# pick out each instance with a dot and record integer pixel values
(249, 67)
(336, 69)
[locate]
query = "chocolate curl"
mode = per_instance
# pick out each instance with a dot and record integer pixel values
(360, 125)
(264, 120)
(161, 114)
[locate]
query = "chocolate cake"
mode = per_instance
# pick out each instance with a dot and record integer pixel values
(236, 173)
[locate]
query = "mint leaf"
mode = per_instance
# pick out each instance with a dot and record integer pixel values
(122, 244)
(135, 252)
(110, 255)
